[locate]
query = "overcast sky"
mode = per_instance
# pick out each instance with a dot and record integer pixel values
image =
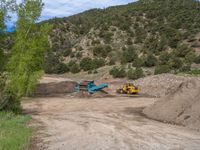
(63, 8)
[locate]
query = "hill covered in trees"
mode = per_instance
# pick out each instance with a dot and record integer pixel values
(145, 33)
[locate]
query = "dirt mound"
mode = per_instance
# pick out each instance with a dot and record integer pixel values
(50, 86)
(156, 85)
(161, 85)
(180, 106)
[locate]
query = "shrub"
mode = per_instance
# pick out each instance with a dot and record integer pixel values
(197, 59)
(74, 67)
(95, 72)
(118, 72)
(176, 63)
(164, 58)
(151, 60)
(129, 41)
(98, 63)
(129, 55)
(182, 50)
(54, 64)
(67, 52)
(162, 69)
(87, 64)
(135, 74)
(138, 62)
(111, 62)
(102, 50)
(79, 55)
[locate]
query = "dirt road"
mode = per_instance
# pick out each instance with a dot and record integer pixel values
(69, 123)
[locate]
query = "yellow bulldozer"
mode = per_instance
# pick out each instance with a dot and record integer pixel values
(128, 88)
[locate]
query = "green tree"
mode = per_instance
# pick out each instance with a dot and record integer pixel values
(25, 66)
(135, 74)
(129, 55)
(151, 60)
(197, 59)
(162, 69)
(87, 64)
(118, 72)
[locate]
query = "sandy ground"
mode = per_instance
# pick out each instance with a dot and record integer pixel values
(70, 123)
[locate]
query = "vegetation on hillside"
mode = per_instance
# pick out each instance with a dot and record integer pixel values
(139, 33)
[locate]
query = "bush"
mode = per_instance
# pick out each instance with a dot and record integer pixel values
(87, 64)
(138, 62)
(67, 52)
(79, 55)
(102, 50)
(98, 63)
(74, 67)
(164, 58)
(151, 60)
(162, 69)
(54, 64)
(176, 63)
(90, 64)
(129, 55)
(135, 74)
(129, 41)
(197, 59)
(182, 50)
(118, 72)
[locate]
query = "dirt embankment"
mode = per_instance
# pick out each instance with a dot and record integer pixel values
(180, 106)
(50, 86)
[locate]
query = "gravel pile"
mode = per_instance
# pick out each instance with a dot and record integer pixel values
(161, 85)
(181, 106)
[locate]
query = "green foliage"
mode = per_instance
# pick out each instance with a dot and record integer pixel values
(164, 58)
(25, 66)
(54, 65)
(138, 62)
(135, 73)
(176, 63)
(166, 25)
(193, 72)
(182, 50)
(102, 50)
(129, 55)
(197, 59)
(129, 41)
(87, 64)
(67, 52)
(91, 64)
(14, 133)
(74, 67)
(118, 72)
(151, 60)
(5, 7)
(162, 69)
(2, 60)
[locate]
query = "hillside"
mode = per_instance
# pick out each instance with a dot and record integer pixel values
(145, 33)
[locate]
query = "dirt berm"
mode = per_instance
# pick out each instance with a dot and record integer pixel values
(50, 86)
(180, 106)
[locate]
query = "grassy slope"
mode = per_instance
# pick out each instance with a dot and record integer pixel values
(14, 133)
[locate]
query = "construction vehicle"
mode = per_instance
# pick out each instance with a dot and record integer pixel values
(89, 86)
(128, 88)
